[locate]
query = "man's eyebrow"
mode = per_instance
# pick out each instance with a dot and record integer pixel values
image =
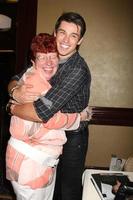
(77, 34)
(60, 29)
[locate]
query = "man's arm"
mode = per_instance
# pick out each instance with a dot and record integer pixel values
(25, 111)
(55, 99)
(60, 94)
(54, 122)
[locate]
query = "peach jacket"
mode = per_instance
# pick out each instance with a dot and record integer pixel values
(34, 148)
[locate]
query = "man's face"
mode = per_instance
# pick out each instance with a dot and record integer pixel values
(47, 63)
(67, 38)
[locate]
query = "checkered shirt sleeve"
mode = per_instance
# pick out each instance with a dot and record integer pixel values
(69, 81)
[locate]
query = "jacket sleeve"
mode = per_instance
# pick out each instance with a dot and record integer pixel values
(63, 121)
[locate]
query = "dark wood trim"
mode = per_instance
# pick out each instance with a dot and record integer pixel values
(25, 31)
(112, 116)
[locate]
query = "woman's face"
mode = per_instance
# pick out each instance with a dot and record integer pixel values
(47, 63)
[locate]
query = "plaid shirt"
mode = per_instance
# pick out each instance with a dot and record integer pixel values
(70, 90)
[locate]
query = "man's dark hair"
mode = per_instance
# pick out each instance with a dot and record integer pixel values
(72, 17)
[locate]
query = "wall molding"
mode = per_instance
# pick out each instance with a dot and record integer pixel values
(112, 116)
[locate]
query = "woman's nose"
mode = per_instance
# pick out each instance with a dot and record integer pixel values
(48, 61)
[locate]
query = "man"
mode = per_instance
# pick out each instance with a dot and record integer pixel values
(70, 93)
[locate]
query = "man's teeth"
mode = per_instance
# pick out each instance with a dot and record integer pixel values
(64, 46)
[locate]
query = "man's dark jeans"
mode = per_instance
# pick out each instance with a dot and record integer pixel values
(71, 166)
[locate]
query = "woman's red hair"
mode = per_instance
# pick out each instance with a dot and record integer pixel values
(43, 43)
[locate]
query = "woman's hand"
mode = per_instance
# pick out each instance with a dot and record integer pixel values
(22, 94)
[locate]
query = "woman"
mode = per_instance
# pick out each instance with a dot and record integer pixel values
(33, 149)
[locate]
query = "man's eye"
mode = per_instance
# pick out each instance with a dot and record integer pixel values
(62, 32)
(75, 36)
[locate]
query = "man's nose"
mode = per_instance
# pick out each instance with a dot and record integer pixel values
(66, 38)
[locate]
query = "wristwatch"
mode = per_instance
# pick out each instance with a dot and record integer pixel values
(8, 108)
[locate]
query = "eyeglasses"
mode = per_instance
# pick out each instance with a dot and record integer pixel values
(41, 58)
(46, 58)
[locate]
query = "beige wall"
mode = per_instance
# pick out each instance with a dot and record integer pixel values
(107, 140)
(108, 50)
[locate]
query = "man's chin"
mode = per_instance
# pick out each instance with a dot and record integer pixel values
(66, 53)
(48, 78)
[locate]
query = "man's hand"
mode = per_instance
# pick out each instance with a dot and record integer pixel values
(25, 111)
(86, 114)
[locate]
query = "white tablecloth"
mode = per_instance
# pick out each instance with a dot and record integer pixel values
(89, 191)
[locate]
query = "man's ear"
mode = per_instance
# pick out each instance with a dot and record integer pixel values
(80, 41)
(54, 33)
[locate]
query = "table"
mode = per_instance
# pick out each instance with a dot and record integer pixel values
(89, 191)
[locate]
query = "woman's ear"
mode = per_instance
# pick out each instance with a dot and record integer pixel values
(33, 64)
